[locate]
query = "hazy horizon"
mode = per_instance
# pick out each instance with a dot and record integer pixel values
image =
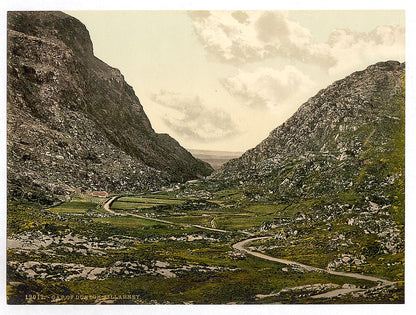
(223, 80)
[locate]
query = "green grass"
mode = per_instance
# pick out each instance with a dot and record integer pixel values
(240, 222)
(140, 202)
(264, 209)
(202, 288)
(121, 205)
(80, 204)
(193, 219)
(129, 222)
(156, 201)
(254, 276)
(77, 207)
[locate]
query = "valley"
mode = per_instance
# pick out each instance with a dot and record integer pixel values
(102, 209)
(215, 158)
(161, 248)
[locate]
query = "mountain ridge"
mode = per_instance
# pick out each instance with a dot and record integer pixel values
(73, 122)
(318, 126)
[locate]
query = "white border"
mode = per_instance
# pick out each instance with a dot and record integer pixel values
(224, 5)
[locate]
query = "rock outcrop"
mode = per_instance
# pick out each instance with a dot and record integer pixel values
(73, 122)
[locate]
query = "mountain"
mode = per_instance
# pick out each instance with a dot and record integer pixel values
(340, 139)
(73, 122)
(340, 157)
(335, 172)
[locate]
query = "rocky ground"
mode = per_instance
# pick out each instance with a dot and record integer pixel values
(39, 244)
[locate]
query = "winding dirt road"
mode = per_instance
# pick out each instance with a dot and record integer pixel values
(107, 205)
(241, 247)
(380, 282)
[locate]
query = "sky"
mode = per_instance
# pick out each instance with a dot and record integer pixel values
(319, 24)
(223, 80)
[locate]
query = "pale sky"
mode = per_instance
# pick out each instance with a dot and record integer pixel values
(222, 80)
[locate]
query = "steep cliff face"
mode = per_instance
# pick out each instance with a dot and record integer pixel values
(73, 122)
(333, 141)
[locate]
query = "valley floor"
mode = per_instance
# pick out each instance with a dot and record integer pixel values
(168, 248)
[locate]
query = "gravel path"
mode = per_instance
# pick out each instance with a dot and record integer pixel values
(380, 282)
(107, 208)
(241, 247)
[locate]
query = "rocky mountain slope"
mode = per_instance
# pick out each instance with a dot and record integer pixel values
(73, 122)
(334, 141)
(337, 170)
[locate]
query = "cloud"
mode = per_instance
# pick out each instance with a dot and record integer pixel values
(269, 88)
(362, 49)
(240, 37)
(191, 118)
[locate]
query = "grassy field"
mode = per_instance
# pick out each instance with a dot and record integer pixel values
(247, 277)
(206, 268)
(129, 222)
(80, 204)
(155, 201)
